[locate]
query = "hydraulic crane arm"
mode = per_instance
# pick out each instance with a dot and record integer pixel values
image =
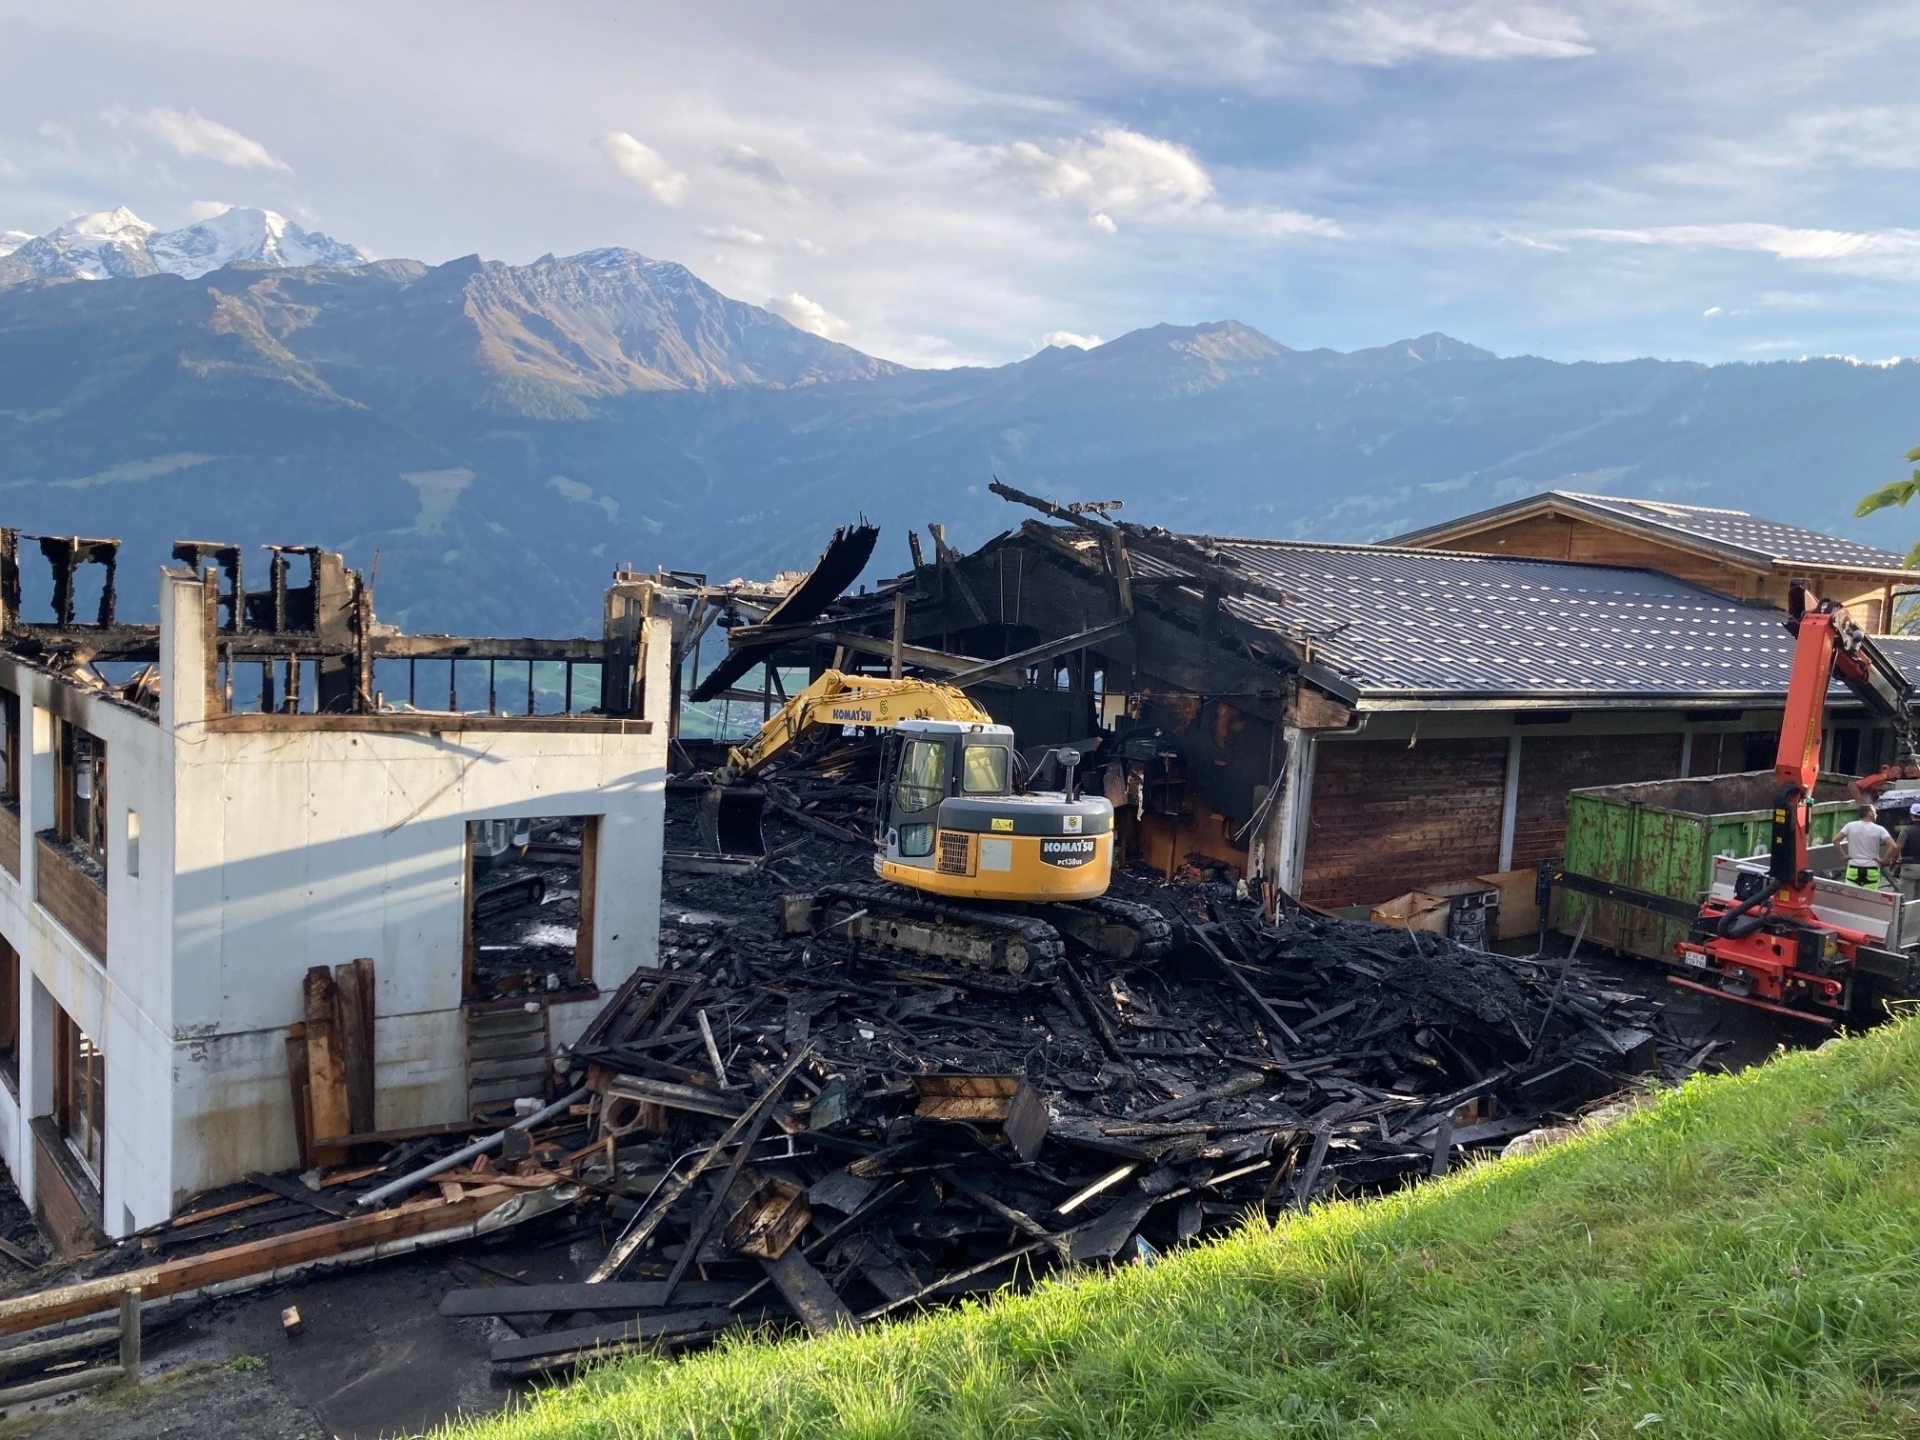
(1827, 645)
(836, 700)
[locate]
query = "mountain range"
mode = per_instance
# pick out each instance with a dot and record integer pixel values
(118, 244)
(504, 434)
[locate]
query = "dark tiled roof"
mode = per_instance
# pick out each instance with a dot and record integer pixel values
(1740, 536)
(1423, 624)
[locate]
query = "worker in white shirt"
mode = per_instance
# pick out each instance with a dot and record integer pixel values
(1868, 846)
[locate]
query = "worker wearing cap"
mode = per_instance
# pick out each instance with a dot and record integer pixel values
(1868, 846)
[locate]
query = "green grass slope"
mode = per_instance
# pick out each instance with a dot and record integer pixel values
(1741, 1258)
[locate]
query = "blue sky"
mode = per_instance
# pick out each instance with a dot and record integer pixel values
(958, 184)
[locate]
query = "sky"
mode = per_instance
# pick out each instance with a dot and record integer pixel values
(964, 184)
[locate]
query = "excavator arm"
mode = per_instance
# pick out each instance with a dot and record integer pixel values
(836, 700)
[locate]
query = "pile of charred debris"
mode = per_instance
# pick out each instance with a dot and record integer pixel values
(778, 1131)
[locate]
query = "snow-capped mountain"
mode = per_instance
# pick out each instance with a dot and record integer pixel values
(118, 244)
(262, 237)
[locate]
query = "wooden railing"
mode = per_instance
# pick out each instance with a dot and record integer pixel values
(9, 839)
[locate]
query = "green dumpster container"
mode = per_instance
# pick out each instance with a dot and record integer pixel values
(1662, 836)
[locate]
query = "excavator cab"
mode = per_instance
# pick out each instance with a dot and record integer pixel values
(957, 826)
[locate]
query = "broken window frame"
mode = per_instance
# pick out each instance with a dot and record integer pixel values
(80, 792)
(80, 1095)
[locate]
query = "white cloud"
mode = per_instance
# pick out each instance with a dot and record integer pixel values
(191, 134)
(1068, 338)
(797, 310)
(206, 210)
(1507, 237)
(1261, 47)
(734, 235)
(1871, 252)
(1119, 170)
(1400, 33)
(645, 166)
(1122, 173)
(1711, 311)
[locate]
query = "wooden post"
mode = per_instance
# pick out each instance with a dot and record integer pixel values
(353, 1009)
(899, 631)
(130, 1335)
(326, 1063)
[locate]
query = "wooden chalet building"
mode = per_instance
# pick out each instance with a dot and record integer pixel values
(1353, 721)
(1726, 551)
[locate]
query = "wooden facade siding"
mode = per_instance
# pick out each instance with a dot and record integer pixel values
(1563, 537)
(1552, 765)
(9, 839)
(73, 897)
(1387, 817)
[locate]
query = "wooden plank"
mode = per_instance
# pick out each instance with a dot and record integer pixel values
(557, 1299)
(61, 1347)
(60, 1384)
(258, 1257)
(353, 1002)
(807, 1291)
(300, 1081)
(326, 1067)
(607, 1337)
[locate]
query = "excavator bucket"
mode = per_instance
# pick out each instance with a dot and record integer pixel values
(730, 818)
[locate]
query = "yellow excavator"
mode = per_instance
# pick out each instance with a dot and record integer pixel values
(976, 869)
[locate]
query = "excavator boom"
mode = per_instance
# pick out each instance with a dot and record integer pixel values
(836, 700)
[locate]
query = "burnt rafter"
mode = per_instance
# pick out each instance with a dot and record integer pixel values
(196, 554)
(1207, 564)
(66, 554)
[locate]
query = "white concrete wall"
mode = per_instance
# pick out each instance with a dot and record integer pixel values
(263, 853)
(297, 847)
(122, 1004)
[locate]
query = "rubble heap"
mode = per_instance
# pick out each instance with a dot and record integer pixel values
(800, 1131)
(774, 1130)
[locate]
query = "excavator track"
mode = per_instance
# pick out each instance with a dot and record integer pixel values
(1116, 929)
(1009, 948)
(1005, 948)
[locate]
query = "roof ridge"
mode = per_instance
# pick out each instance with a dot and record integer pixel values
(1670, 505)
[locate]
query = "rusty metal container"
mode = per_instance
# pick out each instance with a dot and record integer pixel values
(1662, 836)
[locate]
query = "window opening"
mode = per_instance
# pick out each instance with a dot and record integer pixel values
(10, 748)
(530, 903)
(80, 797)
(80, 1094)
(10, 1016)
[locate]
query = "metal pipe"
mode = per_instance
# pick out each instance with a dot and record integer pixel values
(478, 1147)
